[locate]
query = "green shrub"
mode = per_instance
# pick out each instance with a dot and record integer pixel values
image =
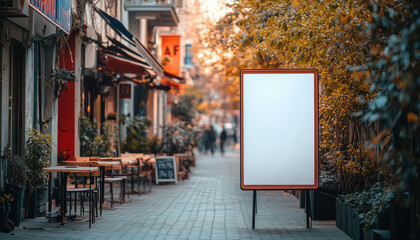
(88, 133)
(370, 203)
(93, 144)
(16, 171)
(136, 140)
(177, 139)
(37, 156)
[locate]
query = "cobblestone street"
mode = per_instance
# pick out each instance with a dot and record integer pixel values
(209, 205)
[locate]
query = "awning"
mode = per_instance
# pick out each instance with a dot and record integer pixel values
(134, 45)
(172, 84)
(149, 84)
(176, 83)
(122, 49)
(123, 65)
(171, 76)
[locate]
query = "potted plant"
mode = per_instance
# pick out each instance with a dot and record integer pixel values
(16, 178)
(347, 218)
(179, 139)
(365, 210)
(136, 140)
(5, 200)
(322, 205)
(322, 200)
(37, 156)
(94, 144)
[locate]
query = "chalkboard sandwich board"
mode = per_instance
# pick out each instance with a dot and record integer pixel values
(165, 169)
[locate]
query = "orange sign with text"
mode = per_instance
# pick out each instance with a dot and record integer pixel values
(171, 54)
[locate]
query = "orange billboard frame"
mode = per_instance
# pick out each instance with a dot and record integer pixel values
(315, 127)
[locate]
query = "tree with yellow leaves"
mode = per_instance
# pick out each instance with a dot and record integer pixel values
(308, 34)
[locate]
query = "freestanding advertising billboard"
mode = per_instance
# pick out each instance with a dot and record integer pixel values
(279, 129)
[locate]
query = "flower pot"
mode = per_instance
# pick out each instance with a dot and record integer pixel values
(4, 211)
(29, 202)
(35, 201)
(6, 225)
(347, 220)
(16, 208)
(322, 205)
(42, 198)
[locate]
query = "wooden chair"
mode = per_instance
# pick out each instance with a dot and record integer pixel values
(145, 160)
(134, 167)
(83, 188)
(115, 177)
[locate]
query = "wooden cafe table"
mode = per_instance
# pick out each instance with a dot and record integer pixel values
(102, 165)
(136, 161)
(64, 171)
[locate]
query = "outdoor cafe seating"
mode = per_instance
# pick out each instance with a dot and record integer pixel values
(106, 165)
(89, 172)
(83, 181)
(78, 185)
(132, 162)
(140, 162)
(115, 174)
(144, 176)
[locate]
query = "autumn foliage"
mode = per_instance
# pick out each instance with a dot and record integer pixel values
(367, 53)
(309, 34)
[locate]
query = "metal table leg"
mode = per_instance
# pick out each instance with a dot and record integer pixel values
(102, 170)
(49, 193)
(63, 196)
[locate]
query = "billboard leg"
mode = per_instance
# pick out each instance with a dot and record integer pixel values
(254, 207)
(256, 204)
(308, 209)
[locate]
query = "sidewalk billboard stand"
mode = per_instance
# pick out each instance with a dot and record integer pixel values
(279, 130)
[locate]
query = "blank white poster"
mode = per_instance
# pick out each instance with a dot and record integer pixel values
(278, 129)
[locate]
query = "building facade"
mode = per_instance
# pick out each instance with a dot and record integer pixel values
(113, 50)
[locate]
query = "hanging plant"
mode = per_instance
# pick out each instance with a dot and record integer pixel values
(58, 81)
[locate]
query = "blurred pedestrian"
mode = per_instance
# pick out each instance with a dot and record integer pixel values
(211, 139)
(223, 137)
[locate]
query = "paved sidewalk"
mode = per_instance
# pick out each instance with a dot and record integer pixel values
(209, 205)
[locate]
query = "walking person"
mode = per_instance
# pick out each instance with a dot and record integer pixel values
(223, 137)
(211, 139)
